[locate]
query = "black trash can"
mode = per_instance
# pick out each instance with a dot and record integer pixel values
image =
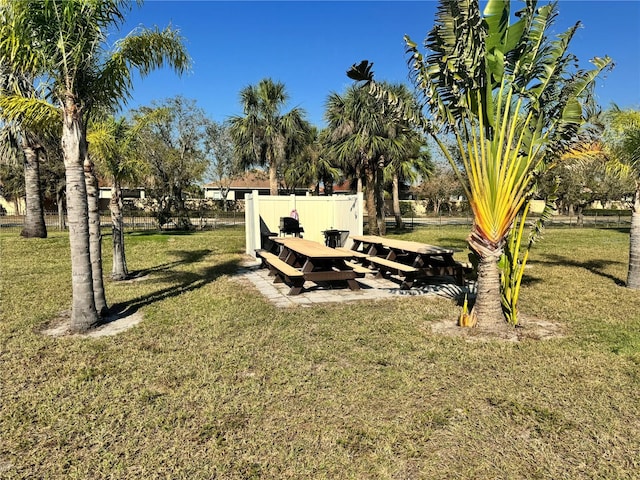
(333, 238)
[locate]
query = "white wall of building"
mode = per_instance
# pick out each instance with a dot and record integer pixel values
(216, 194)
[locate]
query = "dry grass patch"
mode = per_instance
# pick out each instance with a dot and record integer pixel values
(216, 382)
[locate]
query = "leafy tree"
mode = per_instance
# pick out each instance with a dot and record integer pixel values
(579, 181)
(224, 166)
(439, 187)
(512, 99)
(265, 135)
(53, 181)
(173, 147)
(64, 43)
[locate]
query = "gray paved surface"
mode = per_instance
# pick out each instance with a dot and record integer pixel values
(370, 289)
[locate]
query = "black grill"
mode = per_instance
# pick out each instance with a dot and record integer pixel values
(290, 226)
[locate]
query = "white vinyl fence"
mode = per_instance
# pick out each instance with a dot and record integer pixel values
(316, 214)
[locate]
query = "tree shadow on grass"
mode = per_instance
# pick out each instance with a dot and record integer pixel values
(594, 266)
(625, 230)
(185, 257)
(183, 282)
(150, 233)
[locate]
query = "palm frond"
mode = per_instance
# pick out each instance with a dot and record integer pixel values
(10, 151)
(31, 113)
(145, 50)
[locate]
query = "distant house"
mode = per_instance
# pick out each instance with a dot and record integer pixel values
(240, 186)
(127, 194)
(257, 180)
(343, 188)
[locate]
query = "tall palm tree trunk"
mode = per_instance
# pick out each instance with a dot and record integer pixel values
(60, 202)
(396, 201)
(34, 226)
(95, 236)
(487, 309)
(380, 206)
(370, 196)
(633, 275)
(119, 270)
(60, 198)
(273, 179)
(83, 311)
(359, 178)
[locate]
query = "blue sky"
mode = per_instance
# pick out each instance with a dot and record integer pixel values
(309, 45)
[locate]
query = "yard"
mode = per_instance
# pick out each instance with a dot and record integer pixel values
(216, 382)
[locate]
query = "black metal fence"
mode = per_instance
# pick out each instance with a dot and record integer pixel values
(592, 218)
(133, 221)
(142, 221)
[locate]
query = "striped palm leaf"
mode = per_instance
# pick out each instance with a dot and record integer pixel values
(512, 99)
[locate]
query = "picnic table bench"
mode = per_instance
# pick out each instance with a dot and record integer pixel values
(360, 270)
(301, 260)
(282, 271)
(408, 259)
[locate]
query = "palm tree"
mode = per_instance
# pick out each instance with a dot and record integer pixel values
(509, 96)
(412, 158)
(365, 137)
(622, 143)
(407, 169)
(64, 42)
(265, 135)
(113, 144)
(342, 134)
(17, 133)
(312, 166)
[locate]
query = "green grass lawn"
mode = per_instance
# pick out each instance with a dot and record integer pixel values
(216, 382)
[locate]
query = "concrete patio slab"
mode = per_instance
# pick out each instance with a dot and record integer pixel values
(370, 289)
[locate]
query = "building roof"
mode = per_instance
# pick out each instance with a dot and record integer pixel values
(250, 180)
(339, 188)
(259, 180)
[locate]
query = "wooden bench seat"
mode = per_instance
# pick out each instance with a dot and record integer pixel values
(283, 272)
(389, 265)
(384, 266)
(359, 269)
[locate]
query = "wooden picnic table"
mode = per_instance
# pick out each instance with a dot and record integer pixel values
(316, 262)
(424, 260)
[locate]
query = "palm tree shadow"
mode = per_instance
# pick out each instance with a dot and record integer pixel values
(594, 266)
(186, 257)
(529, 280)
(183, 282)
